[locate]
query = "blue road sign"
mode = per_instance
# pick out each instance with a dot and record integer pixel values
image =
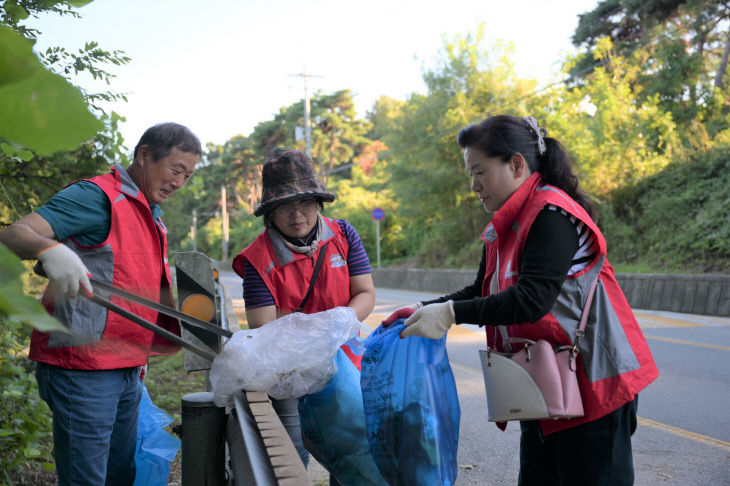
(378, 214)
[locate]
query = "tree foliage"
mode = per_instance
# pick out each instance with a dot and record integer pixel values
(428, 179)
(339, 144)
(680, 46)
(677, 218)
(48, 137)
(52, 132)
(616, 135)
(623, 122)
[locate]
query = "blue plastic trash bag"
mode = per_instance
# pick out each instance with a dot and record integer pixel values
(333, 426)
(411, 407)
(156, 448)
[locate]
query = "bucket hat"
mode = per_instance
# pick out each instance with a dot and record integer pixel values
(289, 175)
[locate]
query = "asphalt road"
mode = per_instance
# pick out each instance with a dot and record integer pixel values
(683, 436)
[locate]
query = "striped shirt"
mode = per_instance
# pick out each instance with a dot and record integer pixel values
(257, 294)
(586, 242)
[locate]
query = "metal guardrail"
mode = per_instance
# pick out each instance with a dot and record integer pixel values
(693, 294)
(261, 451)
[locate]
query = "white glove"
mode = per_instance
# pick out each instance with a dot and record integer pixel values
(65, 270)
(431, 321)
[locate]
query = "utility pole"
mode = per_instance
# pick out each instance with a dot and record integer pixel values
(224, 222)
(194, 230)
(307, 111)
(307, 124)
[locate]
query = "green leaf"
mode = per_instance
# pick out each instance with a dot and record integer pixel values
(79, 3)
(17, 60)
(9, 151)
(14, 303)
(45, 113)
(15, 12)
(25, 155)
(38, 109)
(12, 152)
(31, 452)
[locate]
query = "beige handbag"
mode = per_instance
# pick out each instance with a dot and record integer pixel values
(537, 382)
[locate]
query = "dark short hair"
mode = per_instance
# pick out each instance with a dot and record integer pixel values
(163, 137)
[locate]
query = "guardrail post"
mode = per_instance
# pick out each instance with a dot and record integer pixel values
(197, 295)
(203, 441)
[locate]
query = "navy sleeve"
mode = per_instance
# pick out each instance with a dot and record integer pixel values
(255, 292)
(357, 260)
(80, 210)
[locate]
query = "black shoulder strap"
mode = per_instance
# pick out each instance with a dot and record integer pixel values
(317, 266)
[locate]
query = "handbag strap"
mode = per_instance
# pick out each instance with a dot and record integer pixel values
(317, 266)
(580, 332)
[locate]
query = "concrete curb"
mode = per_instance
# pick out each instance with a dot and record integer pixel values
(691, 294)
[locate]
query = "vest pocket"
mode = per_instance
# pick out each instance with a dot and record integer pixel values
(85, 320)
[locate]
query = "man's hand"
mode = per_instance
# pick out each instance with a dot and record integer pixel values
(431, 321)
(65, 270)
(401, 313)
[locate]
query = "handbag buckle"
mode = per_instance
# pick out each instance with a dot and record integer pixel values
(578, 334)
(573, 357)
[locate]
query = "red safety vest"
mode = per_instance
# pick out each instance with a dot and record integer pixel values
(614, 362)
(133, 258)
(287, 274)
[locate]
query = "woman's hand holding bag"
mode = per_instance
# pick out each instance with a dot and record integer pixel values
(431, 321)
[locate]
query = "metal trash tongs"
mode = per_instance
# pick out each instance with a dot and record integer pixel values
(164, 309)
(167, 310)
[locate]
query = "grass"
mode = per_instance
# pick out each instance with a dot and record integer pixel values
(167, 381)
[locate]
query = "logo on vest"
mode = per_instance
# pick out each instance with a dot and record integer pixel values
(337, 261)
(508, 272)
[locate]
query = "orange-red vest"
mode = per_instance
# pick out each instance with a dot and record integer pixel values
(614, 362)
(133, 258)
(287, 274)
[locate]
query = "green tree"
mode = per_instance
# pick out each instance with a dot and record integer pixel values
(683, 47)
(616, 135)
(36, 113)
(339, 142)
(444, 218)
(43, 118)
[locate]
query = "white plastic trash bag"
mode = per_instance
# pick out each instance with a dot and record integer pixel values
(286, 358)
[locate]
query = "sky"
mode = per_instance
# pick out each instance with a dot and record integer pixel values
(223, 66)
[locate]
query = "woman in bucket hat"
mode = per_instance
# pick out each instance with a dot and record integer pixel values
(278, 266)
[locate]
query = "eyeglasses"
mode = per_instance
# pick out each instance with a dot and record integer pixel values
(305, 206)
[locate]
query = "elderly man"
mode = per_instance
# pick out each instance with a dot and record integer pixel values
(108, 227)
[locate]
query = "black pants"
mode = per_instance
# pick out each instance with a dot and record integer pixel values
(597, 453)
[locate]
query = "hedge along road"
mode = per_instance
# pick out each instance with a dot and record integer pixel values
(683, 435)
